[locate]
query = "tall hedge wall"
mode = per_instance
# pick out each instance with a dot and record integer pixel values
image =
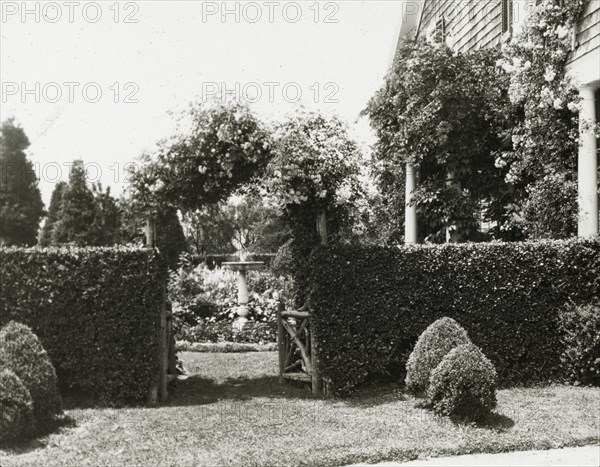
(96, 311)
(371, 303)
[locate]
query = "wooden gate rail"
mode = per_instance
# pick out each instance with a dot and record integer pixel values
(297, 349)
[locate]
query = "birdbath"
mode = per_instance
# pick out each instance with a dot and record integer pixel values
(241, 267)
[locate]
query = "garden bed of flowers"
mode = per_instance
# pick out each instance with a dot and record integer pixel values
(204, 301)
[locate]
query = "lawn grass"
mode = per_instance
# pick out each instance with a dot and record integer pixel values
(233, 411)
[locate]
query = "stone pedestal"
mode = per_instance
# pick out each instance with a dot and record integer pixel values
(241, 267)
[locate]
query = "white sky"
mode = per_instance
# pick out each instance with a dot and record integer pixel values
(172, 54)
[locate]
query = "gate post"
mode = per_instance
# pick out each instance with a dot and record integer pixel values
(314, 361)
(163, 348)
(281, 341)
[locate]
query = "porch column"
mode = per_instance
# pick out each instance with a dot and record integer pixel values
(410, 212)
(587, 177)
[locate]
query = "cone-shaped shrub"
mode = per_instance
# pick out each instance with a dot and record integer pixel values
(22, 353)
(434, 343)
(16, 407)
(463, 385)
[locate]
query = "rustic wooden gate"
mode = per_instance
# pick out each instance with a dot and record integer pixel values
(296, 343)
(297, 350)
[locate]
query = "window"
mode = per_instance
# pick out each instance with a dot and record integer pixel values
(507, 17)
(436, 33)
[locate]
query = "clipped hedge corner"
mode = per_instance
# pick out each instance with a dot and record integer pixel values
(463, 385)
(95, 310)
(16, 408)
(436, 341)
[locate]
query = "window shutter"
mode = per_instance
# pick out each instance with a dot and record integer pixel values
(440, 30)
(507, 6)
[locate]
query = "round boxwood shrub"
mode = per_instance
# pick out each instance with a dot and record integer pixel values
(434, 343)
(22, 353)
(16, 407)
(580, 336)
(463, 385)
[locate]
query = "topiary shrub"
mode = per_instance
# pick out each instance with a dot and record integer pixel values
(580, 336)
(16, 407)
(22, 353)
(283, 263)
(463, 385)
(434, 343)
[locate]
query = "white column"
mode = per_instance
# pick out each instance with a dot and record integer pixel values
(587, 167)
(410, 212)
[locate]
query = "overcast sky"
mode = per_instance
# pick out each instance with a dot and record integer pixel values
(152, 57)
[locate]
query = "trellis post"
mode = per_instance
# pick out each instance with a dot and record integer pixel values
(314, 357)
(159, 388)
(322, 227)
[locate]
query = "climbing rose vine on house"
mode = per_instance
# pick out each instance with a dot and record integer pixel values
(541, 161)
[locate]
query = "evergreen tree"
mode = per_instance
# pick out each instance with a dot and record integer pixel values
(170, 238)
(21, 206)
(53, 214)
(107, 221)
(78, 211)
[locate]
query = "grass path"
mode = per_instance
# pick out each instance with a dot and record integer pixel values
(232, 411)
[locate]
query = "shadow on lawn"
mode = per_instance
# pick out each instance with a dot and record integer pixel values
(40, 441)
(197, 390)
(498, 422)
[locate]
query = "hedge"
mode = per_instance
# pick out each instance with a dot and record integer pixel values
(96, 312)
(216, 260)
(371, 303)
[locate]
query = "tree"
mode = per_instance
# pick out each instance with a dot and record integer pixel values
(53, 214)
(75, 222)
(209, 230)
(107, 220)
(442, 112)
(315, 167)
(21, 206)
(170, 239)
(222, 147)
(80, 215)
(313, 172)
(242, 221)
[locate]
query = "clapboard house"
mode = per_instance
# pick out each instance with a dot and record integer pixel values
(466, 25)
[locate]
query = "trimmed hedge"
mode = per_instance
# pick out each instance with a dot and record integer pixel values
(96, 312)
(580, 330)
(216, 260)
(22, 353)
(223, 331)
(371, 303)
